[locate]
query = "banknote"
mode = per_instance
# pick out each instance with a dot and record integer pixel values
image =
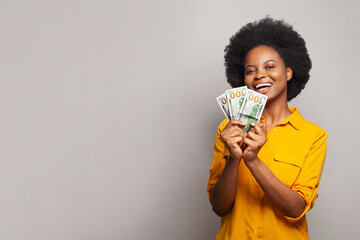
(223, 103)
(252, 108)
(235, 99)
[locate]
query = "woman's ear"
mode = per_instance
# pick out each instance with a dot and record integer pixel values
(289, 73)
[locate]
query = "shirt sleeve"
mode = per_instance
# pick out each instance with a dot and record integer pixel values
(307, 182)
(220, 155)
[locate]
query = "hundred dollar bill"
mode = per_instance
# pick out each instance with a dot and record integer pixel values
(223, 102)
(236, 98)
(252, 108)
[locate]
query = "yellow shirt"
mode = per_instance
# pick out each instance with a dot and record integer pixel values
(295, 153)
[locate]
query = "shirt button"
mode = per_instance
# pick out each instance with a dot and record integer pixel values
(274, 130)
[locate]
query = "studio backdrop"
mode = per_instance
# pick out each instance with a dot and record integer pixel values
(108, 114)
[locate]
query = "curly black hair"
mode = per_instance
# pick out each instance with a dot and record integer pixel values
(278, 35)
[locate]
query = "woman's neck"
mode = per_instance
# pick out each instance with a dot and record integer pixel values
(275, 113)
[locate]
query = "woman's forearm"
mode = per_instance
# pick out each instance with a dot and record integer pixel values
(224, 192)
(286, 200)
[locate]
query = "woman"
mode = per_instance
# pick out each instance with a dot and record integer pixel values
(263, 183)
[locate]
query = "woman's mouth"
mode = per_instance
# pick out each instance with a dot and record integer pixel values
(263, 87)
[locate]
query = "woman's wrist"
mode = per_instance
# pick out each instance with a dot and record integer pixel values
(234, 158)
(253, 163)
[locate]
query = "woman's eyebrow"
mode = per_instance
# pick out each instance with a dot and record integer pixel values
(249, 66)
(263, 63)
(269, 61)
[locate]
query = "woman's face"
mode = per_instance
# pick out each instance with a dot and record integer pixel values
(266, 73)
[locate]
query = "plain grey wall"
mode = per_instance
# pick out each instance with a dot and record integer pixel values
(108, 114)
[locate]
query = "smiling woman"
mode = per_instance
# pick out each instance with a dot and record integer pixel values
(263, 183)
(279, 36)
(266, 72)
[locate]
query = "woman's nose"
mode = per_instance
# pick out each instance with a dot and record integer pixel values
(259, 75)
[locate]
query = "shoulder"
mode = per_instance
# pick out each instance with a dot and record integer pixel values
(222, 125)
(314, 132)
(306, 128)
(314, 128)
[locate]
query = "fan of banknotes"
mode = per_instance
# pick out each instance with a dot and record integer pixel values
(242, 104)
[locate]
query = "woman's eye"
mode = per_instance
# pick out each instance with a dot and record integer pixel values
(270, 67)
(249, 72)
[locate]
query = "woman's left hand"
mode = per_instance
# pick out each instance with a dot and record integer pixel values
(254, 141)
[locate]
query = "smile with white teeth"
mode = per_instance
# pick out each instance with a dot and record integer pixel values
(263, 85)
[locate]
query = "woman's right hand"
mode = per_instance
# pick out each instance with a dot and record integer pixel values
(233, 138)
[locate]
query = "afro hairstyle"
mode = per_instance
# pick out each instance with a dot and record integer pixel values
(278, 35)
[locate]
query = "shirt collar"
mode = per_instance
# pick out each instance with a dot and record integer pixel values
(295, 119)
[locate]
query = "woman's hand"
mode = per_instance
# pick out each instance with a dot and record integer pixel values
(224, 192)
(233, 137)
(254, 141)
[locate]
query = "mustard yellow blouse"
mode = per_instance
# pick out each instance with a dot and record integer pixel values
(295, 152)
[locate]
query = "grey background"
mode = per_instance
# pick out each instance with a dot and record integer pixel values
(108, 114)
